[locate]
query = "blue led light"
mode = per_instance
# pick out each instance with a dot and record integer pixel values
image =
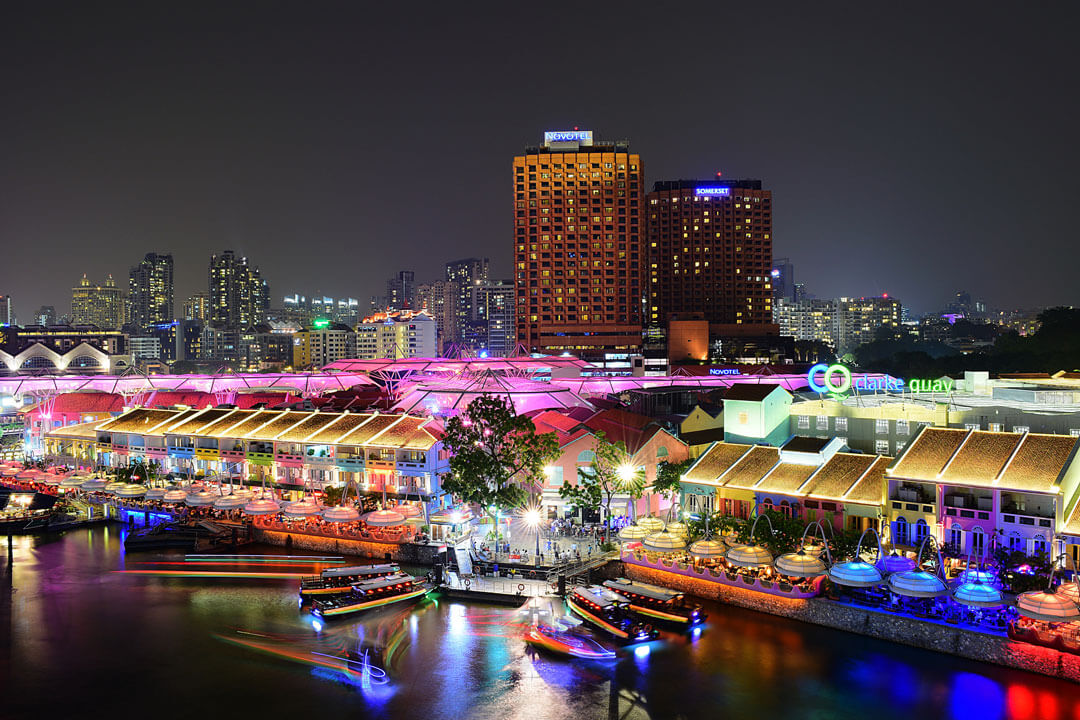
(584, 136)
(712, 191)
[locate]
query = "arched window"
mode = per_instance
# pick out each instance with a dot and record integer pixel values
(39, 362)
(1039, 544)
(1016, 542)
(956, 536)
(661, 452)
(978, 541)
(900, 532)
(586, 456)
(921, 531)
(84, 361)
(785, 508)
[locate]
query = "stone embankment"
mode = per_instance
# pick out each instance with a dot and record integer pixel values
(885, 626)
(409, 553)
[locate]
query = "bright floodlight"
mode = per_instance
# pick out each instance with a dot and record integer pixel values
(531, 517)
(626, 472)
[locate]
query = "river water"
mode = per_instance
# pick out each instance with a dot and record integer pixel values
(81, 638)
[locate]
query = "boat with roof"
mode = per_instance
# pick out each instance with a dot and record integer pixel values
(653, 603)
(559, 639)
(372, 593)
(339, 581)
(609, 612)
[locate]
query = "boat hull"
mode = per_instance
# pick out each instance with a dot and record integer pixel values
(649, 614)
(560, 646)
(332, 613)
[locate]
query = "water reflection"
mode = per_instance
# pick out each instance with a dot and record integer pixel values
(180, 647)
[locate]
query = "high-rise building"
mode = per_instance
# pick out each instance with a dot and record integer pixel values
(441, 299)
(710, 252)
(783, 280)
(466, 274)
(7, 312)
(578, 245)
(404, 334)
(239, 296)
(197, 307)
(807, 320)
(322, 344)
(150, 291)
(493, 303)
(401, 291)
(858, 320)
(101, 305)
(46, 315)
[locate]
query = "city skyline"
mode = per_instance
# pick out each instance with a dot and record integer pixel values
(147, 146)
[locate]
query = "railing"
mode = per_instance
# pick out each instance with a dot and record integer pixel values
(733, 578)
(343, 531)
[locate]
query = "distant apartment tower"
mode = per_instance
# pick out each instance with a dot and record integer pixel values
(401, 291)
(322, 344)
(7, 312)
(404, 334)
(239, 296)
(197, 307)
(807, 320)
(466, 274)
(858, 319)
(441, 300)
(782, 278)
(150, 291)
(710, 252)
(101, 305)
(578, 246)
(493, 301)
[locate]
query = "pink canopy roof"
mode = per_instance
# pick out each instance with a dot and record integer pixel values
(315, 383)
(526, 365)
(450, 396)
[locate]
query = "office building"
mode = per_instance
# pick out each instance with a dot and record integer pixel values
(782, 279)
(145, 348)
(314, 347)
(493, 307)
(401, 291)
(441, 299)
(239, 296)
(465, 274)
(710, 252)
(404, 334)
(197, 307)
(101, 305)
(7, 312)
(807, 320)
(150, 291)
(304, 310)
(46, 315)
(578, 246)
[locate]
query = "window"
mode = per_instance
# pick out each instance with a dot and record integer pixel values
(902, 427)
(881, 427)
(1021, 429)
(1016, 542)
(841, 424)
(956, 537)
(822, 422)
(661, 452)
(900, 445)
(978, 541)
(921, 531)
(804, 422)
(971, 426)
(996, 427)
(881, 447)
(1039, 544)
(900, 530)
(1075, 432)
(554, 475)
(586, 456)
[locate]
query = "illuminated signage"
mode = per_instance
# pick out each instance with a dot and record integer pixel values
(582, 137)
(942, 385)
(837, 380)
(320, 323)
(713, 191)
(724, 371)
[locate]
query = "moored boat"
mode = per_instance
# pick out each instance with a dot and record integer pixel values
(607, 611)
(339, 581)
(655, 603)
(372, 593)
(565, 642)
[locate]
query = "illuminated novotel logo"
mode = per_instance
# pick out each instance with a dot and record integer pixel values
(724, 371)
(713, 191)
(559, 136)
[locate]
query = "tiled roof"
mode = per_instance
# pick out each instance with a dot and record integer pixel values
(314, 423)
(981, 458)
(715, 462)
(145, 421)
(1038, 463)
(750, 392)
(277, 423)
(786, 478)
(751, 468)
(364, 433)
(82, 431)
(838, 475)
(240, 423)
(869, 490)
(348, 422)
(196, 422)
(406, 433)
(1072, 524)
(925, 457)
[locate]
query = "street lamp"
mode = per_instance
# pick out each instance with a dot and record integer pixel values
(531, 516)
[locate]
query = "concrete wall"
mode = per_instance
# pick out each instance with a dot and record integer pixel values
(884, 626)
(411, 553)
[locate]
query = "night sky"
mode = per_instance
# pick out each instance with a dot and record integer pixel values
(913, 149)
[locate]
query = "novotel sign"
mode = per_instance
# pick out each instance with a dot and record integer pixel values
(724, 371)
(582, 137)
(721, 191)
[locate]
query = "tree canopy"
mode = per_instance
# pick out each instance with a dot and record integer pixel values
(497, 457)
(607, 475)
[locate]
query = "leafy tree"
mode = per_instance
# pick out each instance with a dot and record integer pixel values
(608, 475)
(668, 477)
(786, 535)
(332, 495)
(495, 455)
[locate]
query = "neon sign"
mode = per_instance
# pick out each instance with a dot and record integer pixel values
(942, 385)
(725, 371)
(560, 136)
(837, 380)
(713, 191)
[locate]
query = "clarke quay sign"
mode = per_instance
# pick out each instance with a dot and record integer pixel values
(838, 380)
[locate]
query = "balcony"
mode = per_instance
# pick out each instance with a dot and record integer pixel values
(1031, 521)
(260, 458)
